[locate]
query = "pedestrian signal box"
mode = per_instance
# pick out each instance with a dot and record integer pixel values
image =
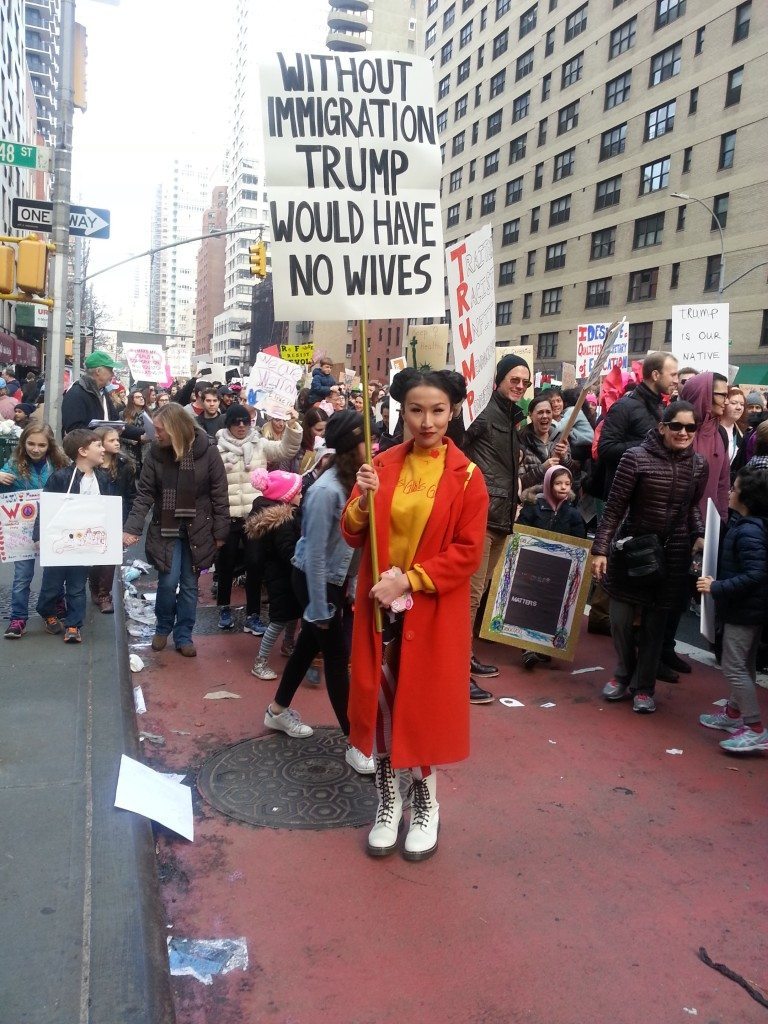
(32, 265)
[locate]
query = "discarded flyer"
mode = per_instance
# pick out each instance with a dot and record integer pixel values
(221, 695)
(673, 750)
(144, 567)
(549, 704)
(583, 671)
(510, 702)
(136, 663)
(204, 958)
(138, 700)
(144, 791)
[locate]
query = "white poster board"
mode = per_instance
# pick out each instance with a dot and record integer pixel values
(18, 515)
(700, 336)
(146, 362)
(80, 529)
(709, 568)
(471, 296)
(274, 381)
(353, 172)
(589, 341)
(144, 791)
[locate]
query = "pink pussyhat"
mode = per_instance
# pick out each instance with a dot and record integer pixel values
(277, 485)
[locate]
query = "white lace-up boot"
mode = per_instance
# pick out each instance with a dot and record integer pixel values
(421, 841)
(382, 839)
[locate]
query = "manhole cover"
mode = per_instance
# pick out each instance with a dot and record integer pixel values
(285, 783)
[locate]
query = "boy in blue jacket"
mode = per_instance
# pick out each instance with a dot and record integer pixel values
(322, 382)
(84, 476)
(739, 592)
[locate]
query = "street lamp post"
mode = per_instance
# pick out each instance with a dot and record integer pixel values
(716, 219)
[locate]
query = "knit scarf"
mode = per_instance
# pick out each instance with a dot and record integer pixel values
(178, 488)
(233, 449)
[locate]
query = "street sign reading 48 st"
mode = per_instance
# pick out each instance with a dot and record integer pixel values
(18, 155)
(37, 215)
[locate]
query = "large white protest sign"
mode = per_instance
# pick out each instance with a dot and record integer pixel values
(700, 336)
(470, 272)
(589, 342)
(18, 515)
(274, 381)
(353, 173)
(146, 362)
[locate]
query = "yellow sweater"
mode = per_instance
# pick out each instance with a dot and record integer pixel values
(412, 503)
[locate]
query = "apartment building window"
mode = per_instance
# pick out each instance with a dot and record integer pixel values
(654, 176)
(687, 159)
(648, 231)
(617, 90)
(517, 148)
(535, 214)
(693, 101)
(503, 313)
(665, 65)
(622, 38)
(472, 169)
(500, 43)
(674, 277)
(560, 211)
(524, 65)
(552, 5)
(430, 36)
(431, 7)
(527, 304)
(507, 272)
(668, 11)
(576, 23)
(497, 83)
(613, 142)
(598, 293)
(603, 243)
(458, 144)
(465, 35)
(546, 86)
(680, 218)
(449, 16)
(551, 301)
(514, 190)
(453, 215)
(469, 207)
(520, 107)
(493, 124)
(764, 330)
(442, 121)
(460, 107)
(454, 183)
(462, 71)
(446, 52)
(538, 177)
(542, 131)
(640, 337)
(741, 24)
(555, 256)
(547, 346)
(510, 232)
(660, 120)
(720, 210)
(490, 163)
(733, 92)
(567, 117)
(727, 150)
(502, 6)
(549, 43)
(608, 193)
(478, 94)
(480, 56)
(530, 269)
(483, 15)
(442, 152)
(699, 47)
(444, 87)
(528, 21)
(572, 69)
(642, 285)
(475, 129)
(712, 274)
(465, 5)
(564, 164)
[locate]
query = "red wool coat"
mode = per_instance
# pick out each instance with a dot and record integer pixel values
(431, 716)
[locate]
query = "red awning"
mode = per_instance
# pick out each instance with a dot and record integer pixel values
(14, 350)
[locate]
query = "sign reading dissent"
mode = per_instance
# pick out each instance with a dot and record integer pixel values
(353, 172)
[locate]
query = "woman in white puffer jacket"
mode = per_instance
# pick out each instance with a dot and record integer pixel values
(243, 449)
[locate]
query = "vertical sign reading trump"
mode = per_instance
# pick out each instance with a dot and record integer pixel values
(353, 176)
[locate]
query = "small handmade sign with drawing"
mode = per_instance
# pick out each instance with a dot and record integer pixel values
(80, 529)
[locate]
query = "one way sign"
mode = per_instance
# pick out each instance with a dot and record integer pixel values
(37, 215)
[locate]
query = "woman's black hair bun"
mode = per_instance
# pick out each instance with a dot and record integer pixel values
(403, 381)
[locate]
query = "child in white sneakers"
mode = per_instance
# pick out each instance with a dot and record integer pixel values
(740, 594)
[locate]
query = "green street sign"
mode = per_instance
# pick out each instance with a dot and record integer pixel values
(36, 157)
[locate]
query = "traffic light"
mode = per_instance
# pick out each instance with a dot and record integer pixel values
(7, 267)
(32, 265)
(257, 259)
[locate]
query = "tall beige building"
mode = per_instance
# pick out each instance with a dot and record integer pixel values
(355, 25)
(570, 126)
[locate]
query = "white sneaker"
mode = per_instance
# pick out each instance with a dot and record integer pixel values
(421, 841)
(356, 759)
(262, 670)
(382, 839)
(289, 722)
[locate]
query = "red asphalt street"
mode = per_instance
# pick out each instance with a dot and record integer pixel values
(581, 864)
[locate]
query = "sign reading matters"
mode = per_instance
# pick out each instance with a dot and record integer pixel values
(700, 336)
(353, 172)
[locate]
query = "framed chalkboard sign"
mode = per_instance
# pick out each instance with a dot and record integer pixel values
(538, 592)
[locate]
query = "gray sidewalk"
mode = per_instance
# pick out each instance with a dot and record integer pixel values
(83, 935)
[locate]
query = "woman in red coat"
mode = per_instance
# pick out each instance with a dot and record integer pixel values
(408, 699)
